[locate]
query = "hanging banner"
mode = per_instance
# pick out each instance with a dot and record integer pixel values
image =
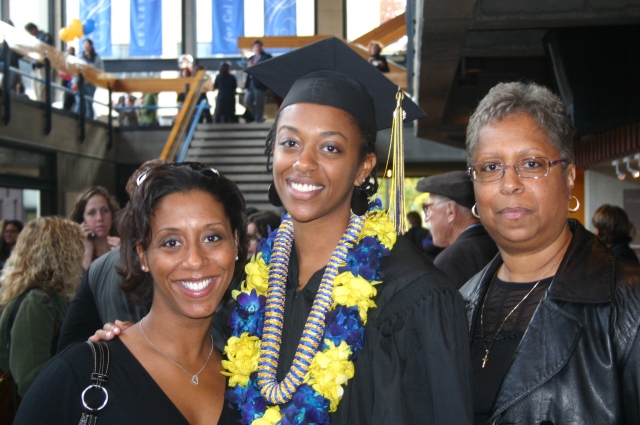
(228, 24)
(280, 17)
(100, 12)
(146, 28)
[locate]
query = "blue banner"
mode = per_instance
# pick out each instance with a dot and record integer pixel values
(146, 28)
(280, 17)
(100, 12)
(228, 24)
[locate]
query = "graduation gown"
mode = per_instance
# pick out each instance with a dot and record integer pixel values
(415, 367)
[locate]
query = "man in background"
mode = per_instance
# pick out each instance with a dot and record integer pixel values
(255, 95)
(38, 69)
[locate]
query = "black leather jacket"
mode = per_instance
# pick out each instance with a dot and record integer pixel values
(579, 360)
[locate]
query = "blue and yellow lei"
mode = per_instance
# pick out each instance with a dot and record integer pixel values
(351, 295)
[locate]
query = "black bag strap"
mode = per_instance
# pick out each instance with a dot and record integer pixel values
(95, 397)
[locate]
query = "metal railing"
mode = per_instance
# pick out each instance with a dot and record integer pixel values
(192, 130)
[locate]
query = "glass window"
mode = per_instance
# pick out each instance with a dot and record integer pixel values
(23, 163)
(365, 15)
(36, 11)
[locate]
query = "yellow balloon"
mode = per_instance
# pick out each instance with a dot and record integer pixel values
(65, 35)
(76, 28)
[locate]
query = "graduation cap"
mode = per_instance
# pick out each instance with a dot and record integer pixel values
(330, 73)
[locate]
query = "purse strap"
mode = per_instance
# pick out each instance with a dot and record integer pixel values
(98, 384)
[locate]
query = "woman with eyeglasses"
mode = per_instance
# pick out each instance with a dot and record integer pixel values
(183, 233)
(554, 317)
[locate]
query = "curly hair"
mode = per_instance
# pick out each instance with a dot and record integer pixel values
(77, 214)
(48, 254)
(370, 186)
(613, 224)
(546, 109)
(134, 221)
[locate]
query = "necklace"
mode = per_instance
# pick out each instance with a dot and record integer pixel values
(194, 378)
(485, 359)
(333, 333)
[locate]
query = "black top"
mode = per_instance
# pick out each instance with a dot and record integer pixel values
(469, 254)
(226, 85)
(134, 397)
(415, 365)
(502, 345)
(623, 250)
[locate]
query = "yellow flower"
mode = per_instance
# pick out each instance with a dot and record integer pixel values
(350, 290)
(379, 224)
(243, 354)
(271, 417)
(330, 369)
(257, 277)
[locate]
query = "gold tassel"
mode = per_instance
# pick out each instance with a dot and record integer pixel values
(396, 149)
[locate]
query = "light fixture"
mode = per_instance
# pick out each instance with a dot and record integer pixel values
(633, 171)
(620, 174)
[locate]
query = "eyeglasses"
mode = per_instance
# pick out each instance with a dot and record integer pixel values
(196, 166)
(528, 168)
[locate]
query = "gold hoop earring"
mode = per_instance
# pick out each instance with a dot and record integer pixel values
(577, 207)
(474, 211)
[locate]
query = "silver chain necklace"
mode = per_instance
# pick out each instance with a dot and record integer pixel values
(194, 378)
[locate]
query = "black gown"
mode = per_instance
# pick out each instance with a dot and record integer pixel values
(415, 366)
(134, 397)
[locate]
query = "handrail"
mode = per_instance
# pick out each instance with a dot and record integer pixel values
(182, 120)
(386, 33)
(192, 129)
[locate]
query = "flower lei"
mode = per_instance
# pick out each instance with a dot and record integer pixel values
(342, 331)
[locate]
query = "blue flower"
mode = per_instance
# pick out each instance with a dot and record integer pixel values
(364, 259)
(306, 408)
(248, 316)
(247, 400)
(375, 204)
(265, 246)
(344, 324)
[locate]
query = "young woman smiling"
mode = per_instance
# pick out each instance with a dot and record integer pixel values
(185, 230)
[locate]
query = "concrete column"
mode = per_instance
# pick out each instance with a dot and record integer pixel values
(330, 16)
(189, 27)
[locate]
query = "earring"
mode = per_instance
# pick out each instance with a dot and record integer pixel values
(577, 207)
(236, 258)
(359, 201)
(143, 268)
(274, 198)
(474, 211)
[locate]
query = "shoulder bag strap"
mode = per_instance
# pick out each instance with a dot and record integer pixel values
(97, 390)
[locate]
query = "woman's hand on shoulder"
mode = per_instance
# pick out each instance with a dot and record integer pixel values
(110, 330)
(113, 242)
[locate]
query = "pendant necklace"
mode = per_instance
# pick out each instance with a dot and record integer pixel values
(194, 378)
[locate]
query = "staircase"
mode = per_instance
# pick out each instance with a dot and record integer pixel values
(237, 151)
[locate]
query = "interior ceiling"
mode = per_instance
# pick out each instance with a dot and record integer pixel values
(507, 36)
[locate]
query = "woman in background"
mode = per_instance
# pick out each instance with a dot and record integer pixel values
(259, 226)
(613, 228)
(10, 231)
(90, 57)
(226, 84)
(36, 285)
(94, 211)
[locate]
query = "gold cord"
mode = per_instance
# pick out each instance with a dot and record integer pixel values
(396, 149)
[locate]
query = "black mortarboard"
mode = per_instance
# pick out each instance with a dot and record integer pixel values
(329, 72)
(456, 185)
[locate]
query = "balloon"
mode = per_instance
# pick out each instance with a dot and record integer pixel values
(65, 35)
(89, 26)
(76, 28)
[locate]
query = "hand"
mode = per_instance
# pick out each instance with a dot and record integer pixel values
(113, 242)
(88, 245)
(110, 330)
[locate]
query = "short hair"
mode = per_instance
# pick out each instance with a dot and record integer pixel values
(612, 223)
(546, 109)
(146, 166)
(30, 27)
(258, 42)
(265, 221)
(77, 214)
(134, 222)
(49, 255)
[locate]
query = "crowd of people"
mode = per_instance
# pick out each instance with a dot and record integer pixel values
(211, 313)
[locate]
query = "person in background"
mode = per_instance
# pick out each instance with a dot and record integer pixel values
(613, 228)
(259, 226)
(149, 117)
(226, 84)
(183, 232)
(94, 211)
(69, 99)
(90, 57)
(38, 69)
(416, 233)
(36, 284)
(376, 59)
(14, 61)
(255, 95)
(126, 117)
(10, 231)
(99, 298)
(554, 317)
(467, 245)
(206, 113)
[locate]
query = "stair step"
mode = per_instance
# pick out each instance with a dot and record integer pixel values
(248, 178)
(253, 187)
(230, 135)
(261, 206)
(206, 143)
(256, 197)
(218, 161)
(215, 151)
(235, 127)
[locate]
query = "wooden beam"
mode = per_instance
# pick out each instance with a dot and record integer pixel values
(386, 33)
(397, 74)
(279, 42)
(157, 85)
